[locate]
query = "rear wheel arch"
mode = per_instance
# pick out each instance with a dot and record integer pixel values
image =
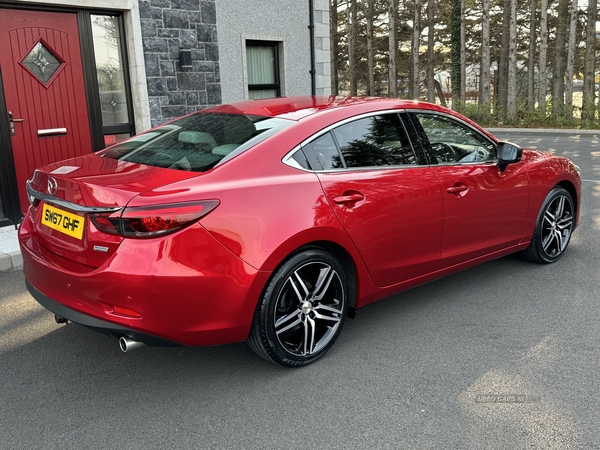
(341, 254)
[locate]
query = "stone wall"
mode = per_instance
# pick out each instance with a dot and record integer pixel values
(322, 48)
(168, 26)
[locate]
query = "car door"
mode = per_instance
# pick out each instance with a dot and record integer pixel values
(388, 200)
(485, 208)
(45, 96)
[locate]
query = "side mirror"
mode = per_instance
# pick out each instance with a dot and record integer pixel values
(508, 154)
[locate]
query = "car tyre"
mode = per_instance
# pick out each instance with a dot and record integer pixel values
(553, 228)
(302, 310)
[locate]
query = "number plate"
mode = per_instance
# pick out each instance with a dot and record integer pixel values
(63, 221)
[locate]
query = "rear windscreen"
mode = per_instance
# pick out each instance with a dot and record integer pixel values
(197, 142)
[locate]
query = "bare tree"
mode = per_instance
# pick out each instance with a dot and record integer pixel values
(511, 85)
(588, 110)
(352, 19)
(393, 77)
(463, 54)
(485, 95)
(531, 59)
(368, 6)
(543, 83)
(431, 51)
(560, 63)
(414, 90)
(571, 59)
(503, 63)
(334, 42)
(455, 74)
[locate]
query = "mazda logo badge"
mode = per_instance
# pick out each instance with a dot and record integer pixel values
(52, 186)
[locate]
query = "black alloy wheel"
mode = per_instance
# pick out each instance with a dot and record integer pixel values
(302, 311)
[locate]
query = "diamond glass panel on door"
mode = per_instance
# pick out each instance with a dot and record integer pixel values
(42, 63)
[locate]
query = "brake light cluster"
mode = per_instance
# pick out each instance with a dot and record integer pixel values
(152, 221)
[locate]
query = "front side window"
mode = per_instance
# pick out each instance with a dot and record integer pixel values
(262, 61)
(197, 142)
(448, 141)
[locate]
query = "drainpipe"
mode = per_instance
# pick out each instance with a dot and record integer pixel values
(311, 28)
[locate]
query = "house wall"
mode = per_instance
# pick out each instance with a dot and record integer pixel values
(167, 27)
(215, 31)
(285, 21)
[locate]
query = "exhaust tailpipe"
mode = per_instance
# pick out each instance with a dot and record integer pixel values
(127, 344)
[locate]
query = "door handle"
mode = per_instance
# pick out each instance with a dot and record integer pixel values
(12, 121)
(52, 132)
(459, 189)
(349, 198)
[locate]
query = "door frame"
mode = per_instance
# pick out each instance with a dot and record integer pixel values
(8, 176)
(8, 184)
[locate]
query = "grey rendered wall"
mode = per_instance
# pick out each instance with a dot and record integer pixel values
(277, 20)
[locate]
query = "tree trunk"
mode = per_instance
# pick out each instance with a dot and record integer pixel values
(560, 63)
(352, 46)
(571, 60)
(531, 59)
(455, 46)
(543, 83)
(393, 72)
(588, 110)
(335, 42)
(485, 95)
(511, 85)
(370, 59)
(430, 51)
(503, 63)
(463, 55)
(414, 89)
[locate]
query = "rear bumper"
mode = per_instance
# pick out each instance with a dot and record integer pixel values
(95, 324)
(184, 289)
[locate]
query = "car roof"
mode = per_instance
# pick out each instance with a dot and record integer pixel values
(297, 108)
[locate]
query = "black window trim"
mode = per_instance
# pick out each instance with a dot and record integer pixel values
(277, 68)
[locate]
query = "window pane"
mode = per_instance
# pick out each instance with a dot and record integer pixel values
(450, 141)
(197, 142)
(112, 139)
(109, 69)
(255, 94)
(261, 65)
(374, 141)
(323, 153)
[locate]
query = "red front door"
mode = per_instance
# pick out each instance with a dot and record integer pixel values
(44, 88)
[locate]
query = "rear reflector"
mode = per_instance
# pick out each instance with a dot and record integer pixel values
(119, 310)
(152, 221)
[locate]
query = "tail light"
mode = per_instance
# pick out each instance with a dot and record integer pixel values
(152, 221)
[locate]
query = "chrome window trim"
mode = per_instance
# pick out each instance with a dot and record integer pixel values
(289, 160)
(69, 205)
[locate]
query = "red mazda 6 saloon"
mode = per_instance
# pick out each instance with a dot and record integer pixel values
(270, 221)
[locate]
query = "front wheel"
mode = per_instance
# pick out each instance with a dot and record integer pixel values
(553, 228)
(302, 310)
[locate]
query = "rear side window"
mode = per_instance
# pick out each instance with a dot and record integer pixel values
(197, 142)
(375, 141)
